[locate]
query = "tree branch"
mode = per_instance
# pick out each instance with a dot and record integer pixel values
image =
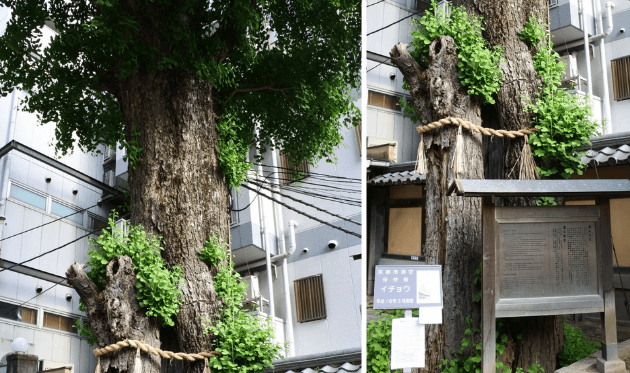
(261, 88)
(89, 293)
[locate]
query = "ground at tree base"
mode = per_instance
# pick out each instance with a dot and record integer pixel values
(591, 326)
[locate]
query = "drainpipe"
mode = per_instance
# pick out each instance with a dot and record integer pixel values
(603, 61)
(6, 161)
(263, 238)
(287, 292)
(288, 329)
(587, 52)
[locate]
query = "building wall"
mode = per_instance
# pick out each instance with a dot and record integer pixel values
(55, 346)
(340, 271)
(385, 125)
(48, 344)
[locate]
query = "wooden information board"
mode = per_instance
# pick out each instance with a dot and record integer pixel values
(547, 260)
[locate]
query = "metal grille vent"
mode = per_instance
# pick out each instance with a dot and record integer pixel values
(621, 77)
(292, 171)
(310, 302)
(553, 3)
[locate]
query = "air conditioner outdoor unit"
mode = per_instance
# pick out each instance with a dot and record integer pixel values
(571, 73)
(108, 154)
(109, 178)
(253, 289)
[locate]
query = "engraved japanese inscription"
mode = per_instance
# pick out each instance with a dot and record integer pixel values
(547, 259)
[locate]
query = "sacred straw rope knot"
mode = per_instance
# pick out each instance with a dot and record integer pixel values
(132, 343)
(462, 122)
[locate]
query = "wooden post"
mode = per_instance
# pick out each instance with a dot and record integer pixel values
(488, 324)
(609, 361)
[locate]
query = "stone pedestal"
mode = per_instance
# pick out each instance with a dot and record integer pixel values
(609, 366)
(19, 362)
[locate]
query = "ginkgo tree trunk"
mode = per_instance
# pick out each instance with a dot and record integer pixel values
(439, 88)
(182, 84)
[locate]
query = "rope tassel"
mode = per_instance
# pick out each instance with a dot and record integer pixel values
(421, 160)
(98, 365)
(527, 164)
(458, 158)
(137, 365)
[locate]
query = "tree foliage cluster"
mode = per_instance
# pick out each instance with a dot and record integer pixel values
(156, 286)
(561, 117)
(287, 66)
(478, 65)
(244, 341)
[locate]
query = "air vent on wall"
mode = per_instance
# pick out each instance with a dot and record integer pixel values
(108, 154)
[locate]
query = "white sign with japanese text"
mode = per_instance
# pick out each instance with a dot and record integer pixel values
(408, 349)
(407, 287)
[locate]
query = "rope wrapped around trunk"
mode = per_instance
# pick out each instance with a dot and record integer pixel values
(473, 127)
(152, 350)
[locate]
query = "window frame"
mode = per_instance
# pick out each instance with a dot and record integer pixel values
(29, 189)
(19, 305)
(49, 201)
(72, 207)
(404, 203)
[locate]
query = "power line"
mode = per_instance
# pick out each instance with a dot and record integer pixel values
(308, 204)
(319, 185)
(50, 251)
(50, 222)
(305, 214)
(375, 3)
(245, 208)
(37, 295)
(311, 173)
(391, 24)
(379, 64)
(348, 201)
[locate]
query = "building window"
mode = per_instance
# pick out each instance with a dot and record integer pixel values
(49, 205)
(13, 312)
(292, 171)
(383, 100)
(60, 210)
(621, 78)
(58, 322)
(405, 221)
(28, 197)
(96, 222)
(310, 303)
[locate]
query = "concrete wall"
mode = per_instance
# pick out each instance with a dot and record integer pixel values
(16, 288)
(56, 346)
(341, 273)
(382, 124)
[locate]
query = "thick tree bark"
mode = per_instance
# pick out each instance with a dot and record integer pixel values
(178, 190)
(115, 315)
(543, 337)
(453, 224)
